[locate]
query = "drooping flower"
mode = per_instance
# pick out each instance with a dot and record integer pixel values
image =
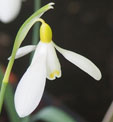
(9, 9)
(45, 64)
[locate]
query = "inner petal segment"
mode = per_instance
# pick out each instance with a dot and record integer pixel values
(53, 64)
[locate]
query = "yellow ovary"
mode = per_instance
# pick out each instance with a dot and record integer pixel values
(45, 33)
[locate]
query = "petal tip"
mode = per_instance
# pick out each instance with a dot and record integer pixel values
(21, 115)
(21, 111)
(54, 75)
(99, 77)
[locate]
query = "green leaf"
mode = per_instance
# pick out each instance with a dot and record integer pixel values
(26, 119)
(9, 105)
(52, 114)
(9, 102)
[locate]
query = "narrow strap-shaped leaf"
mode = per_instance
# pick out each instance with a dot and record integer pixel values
(9, 105)
(9, 102)
(26, 119)
(52, 114)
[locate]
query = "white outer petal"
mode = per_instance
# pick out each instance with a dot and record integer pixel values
(31, 86)
(24, 51)
(80, 61)
(9, 9)
(53, 63)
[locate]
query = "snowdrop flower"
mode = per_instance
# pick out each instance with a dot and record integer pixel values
(45, 64)
(9, 9)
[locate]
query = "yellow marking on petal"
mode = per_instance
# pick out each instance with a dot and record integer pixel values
(45, 33)
(55, 73)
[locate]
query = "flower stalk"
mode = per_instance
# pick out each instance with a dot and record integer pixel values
(24, 29)
(5, 81)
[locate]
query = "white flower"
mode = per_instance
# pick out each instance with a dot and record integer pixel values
(9, 9)
(45, 64)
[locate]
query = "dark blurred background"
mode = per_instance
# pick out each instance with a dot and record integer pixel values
(85, 27)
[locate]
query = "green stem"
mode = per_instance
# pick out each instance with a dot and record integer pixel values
(37, 4)
(3, 87)
(8, 70)
(5, 81)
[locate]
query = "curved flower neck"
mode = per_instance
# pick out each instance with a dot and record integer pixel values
(45, 32)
